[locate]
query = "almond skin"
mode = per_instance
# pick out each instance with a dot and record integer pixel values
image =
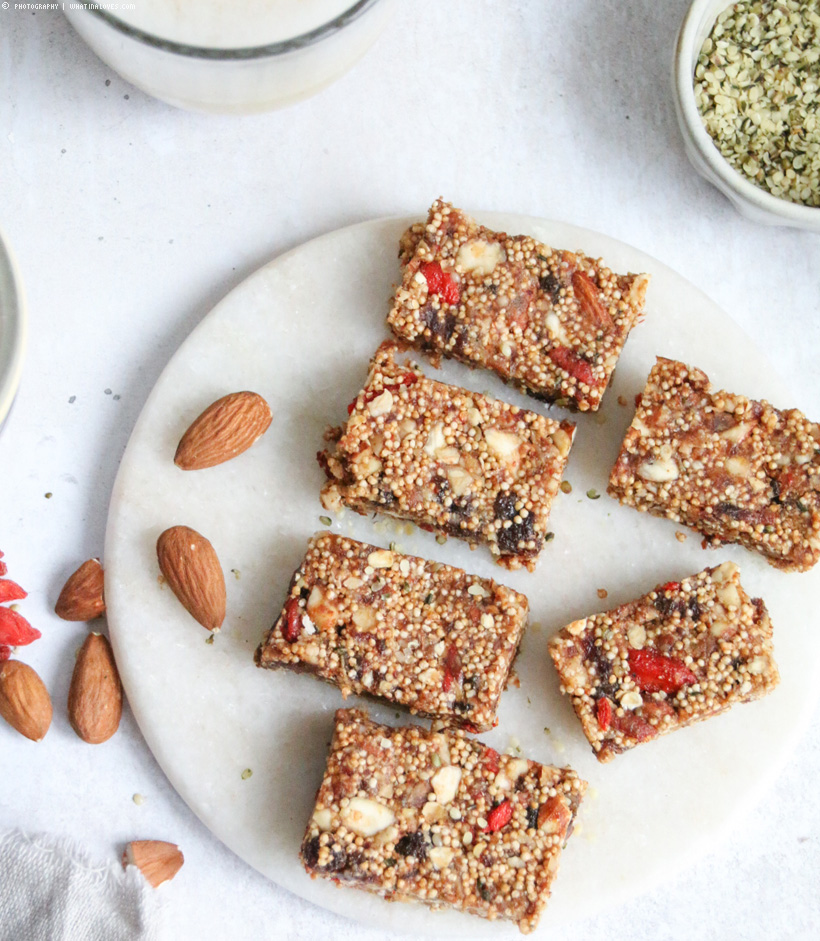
(82, 596)
(156, 860)
(191, 567)
(225, 429)
(95, 695)
(24, 700)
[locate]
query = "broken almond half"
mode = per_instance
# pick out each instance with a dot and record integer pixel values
(157, 860)
(24, 700)
(191, 567)
(82, 596)
(95, 696)
(225, 429)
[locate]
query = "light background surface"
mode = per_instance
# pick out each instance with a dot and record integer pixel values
(130, 220)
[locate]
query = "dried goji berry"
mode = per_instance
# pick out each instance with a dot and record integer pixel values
(655, 673)
(670, 586)
(10, 591)
(603, 710)
(587, 293)
(292, 622)
(490, 760)
(5, 652)
(15, 630)
(499, 817)
(577, 368)
(452, 668)
(439, 282)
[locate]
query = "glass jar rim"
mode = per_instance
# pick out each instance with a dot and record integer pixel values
(281, 47)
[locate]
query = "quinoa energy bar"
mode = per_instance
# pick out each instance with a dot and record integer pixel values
(732, 468)
(684, 652)
(551, 322)
(448, 460)
(426, 636)
(439, 818)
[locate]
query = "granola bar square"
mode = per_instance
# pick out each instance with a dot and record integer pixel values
(439, 818)
(449, 460)
(682, 653)
(549, 321)
(735, 469)
(425, 636)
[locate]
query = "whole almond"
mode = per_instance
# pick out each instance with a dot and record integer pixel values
(156, 860)
(24, 700)
(95, 695)
(82, 596)
(225, 429)
(191, 567)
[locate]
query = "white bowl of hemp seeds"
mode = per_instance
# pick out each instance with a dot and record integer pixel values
(747, 97)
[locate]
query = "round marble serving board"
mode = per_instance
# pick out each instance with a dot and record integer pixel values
(300, 331)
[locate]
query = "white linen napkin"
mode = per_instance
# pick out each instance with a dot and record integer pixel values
(50, 891)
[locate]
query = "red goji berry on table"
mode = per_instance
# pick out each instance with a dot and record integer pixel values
(11, 591)
(15, 630)
(5, 652)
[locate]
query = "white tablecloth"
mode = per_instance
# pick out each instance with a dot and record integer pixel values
(130, 219)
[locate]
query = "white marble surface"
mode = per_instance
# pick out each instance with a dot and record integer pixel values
(130, 220)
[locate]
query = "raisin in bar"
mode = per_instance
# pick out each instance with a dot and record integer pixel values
(684, 652)
(449, 460)
(732, 468)
(423, 635)
(550, 322)
(439, 818)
